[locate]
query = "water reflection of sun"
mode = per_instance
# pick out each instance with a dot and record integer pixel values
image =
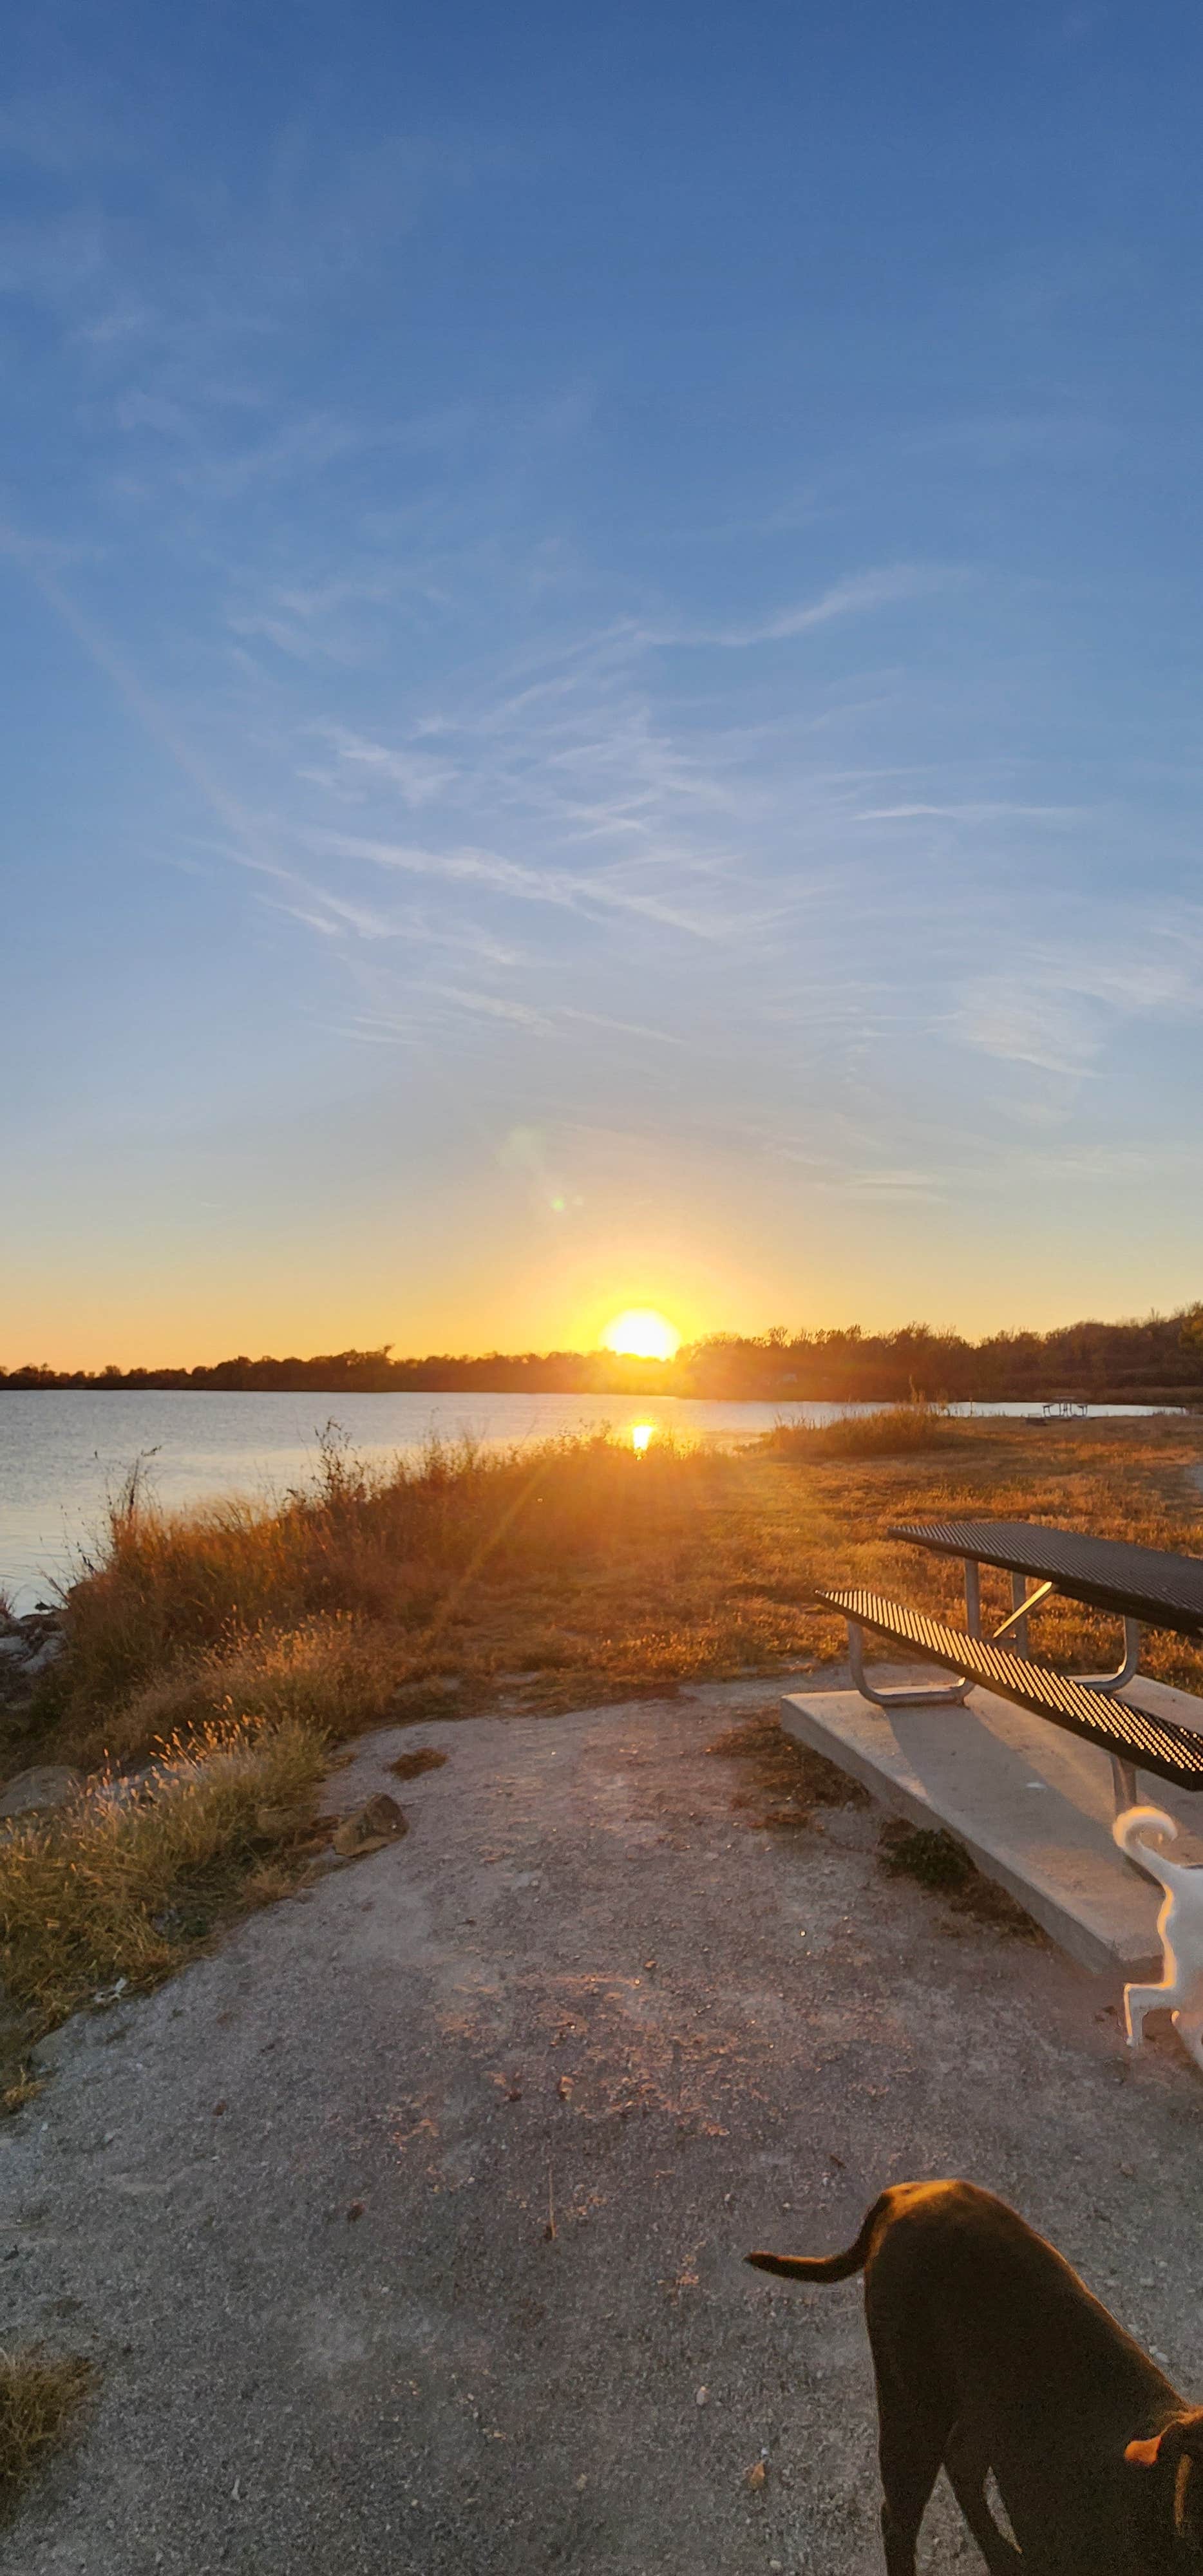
(639, 1333)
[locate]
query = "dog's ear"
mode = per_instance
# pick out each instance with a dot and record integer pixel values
(1143, 2455)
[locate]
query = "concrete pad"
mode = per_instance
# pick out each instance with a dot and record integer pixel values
(1032, 1804)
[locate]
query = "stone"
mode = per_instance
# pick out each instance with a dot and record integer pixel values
(49, 1784)
(51, 1647)
(380, 1822)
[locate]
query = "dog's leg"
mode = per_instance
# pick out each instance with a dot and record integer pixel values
(1139, 2000)
(910, 2452)
(968, 2468)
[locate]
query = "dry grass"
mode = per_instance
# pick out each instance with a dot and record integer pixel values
(39, 2397)
(117, 1887)
(333, 1672)
(592, 1572)
(1117, 1479)
(897, 1430)
(24, 2087)
(597, 1570)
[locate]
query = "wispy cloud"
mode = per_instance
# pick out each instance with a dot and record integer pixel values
(418, 777)
(857, 596)
(993, 811)
(508, 877)
(1058, 1009)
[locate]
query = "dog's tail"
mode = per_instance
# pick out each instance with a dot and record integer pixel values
(824, 2267)
(1127, 1833)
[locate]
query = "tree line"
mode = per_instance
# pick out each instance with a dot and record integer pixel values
(1154, 1358)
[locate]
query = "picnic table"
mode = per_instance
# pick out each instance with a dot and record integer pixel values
(1143, 1586)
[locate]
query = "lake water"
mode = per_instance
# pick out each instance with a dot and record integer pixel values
(62, 1451)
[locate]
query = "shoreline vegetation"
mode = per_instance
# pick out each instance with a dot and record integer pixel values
(1149, 1360)
(212, 1662)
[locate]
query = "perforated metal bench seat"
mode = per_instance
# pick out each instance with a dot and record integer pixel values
(1131, 1736)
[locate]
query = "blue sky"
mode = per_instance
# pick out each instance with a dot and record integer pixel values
(601, 670)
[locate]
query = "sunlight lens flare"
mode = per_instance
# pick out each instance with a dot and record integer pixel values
(641, 1334)
(641, 1436)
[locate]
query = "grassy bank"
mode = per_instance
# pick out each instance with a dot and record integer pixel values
(581, 1569)
(231, 1648)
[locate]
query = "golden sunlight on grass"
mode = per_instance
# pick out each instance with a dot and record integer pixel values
(640, 1333)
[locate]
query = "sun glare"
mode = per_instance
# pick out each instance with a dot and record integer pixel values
(641, 1436)
(641, 1334)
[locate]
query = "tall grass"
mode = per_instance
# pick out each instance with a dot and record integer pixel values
(282, 1611)
(895, 1431)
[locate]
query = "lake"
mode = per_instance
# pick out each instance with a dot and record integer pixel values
(62, 1451)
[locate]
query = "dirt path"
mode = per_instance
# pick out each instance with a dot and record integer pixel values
(581, 1970)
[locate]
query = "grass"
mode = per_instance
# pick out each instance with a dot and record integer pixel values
(117, 1887)
(590, 1571)
(39, 2397)
(232, 1648)
(895, 1431)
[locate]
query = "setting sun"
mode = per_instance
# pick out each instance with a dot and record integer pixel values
(639, 1333)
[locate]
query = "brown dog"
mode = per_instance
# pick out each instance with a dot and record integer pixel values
(990, 2353)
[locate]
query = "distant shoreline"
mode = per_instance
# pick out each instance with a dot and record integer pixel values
(1179, 1398)
(1151, 1359)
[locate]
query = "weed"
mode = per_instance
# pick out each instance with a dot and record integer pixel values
(939, 1863)
(930, 1857)
(39, 2396)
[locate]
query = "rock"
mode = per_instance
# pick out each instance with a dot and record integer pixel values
(13, 1643)
(50, 1647)
(380, 1822)
(49, 1784)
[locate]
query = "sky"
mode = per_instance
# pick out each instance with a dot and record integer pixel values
(600, 670)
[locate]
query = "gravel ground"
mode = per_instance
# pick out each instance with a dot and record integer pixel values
(297, 2203)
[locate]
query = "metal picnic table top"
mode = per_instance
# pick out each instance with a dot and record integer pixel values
(1141, 1583)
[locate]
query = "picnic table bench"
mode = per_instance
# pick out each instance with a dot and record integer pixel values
(1143, 1586)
